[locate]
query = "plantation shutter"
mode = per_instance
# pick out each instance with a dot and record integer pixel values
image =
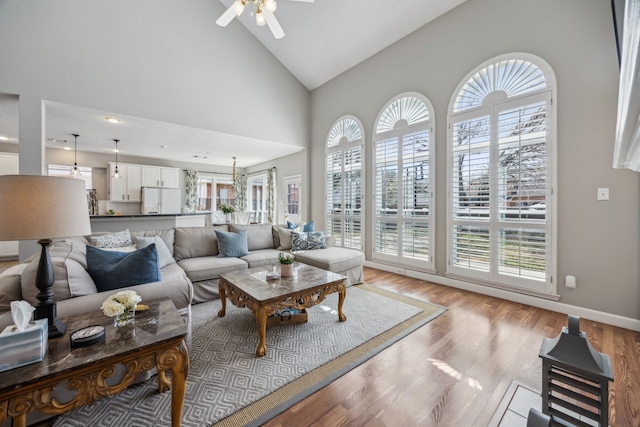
(352, 237)
(386, 172)
(334, 194)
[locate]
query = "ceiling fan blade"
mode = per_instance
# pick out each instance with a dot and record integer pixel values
(226, 17)
(273, 23)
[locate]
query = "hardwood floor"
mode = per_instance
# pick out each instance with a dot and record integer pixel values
(454, 370)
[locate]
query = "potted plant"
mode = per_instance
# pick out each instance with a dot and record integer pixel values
(286, 264)
(227, 210)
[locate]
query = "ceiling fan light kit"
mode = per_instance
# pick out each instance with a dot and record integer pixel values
(264, 14)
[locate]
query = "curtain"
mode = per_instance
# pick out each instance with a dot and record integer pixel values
(240, 185)
(271, 195)
(93, 202)
(191, 192)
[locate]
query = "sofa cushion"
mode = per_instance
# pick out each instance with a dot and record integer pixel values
(307, 227)
(210, 267)
(232, 244)
(307, 241)
(113, 240)
(194, 242)
(335, 259)
(284, 237)
(258, 235)
(261, 257)
(115, 270)
(69, 269)
(164, 256)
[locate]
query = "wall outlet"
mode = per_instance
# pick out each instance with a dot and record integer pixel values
(570, 281)
(603, 194)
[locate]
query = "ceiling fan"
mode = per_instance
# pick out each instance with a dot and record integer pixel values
(264, 14)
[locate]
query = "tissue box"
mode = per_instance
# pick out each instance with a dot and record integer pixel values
(19, 348)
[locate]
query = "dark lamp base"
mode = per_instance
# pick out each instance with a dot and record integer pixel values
(46, 308)
(57, 327)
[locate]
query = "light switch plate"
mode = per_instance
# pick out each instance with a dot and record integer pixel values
(603, 194)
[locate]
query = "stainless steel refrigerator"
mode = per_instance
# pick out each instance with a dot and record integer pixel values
(160, 200)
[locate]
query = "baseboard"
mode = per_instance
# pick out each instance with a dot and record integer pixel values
(586, 313)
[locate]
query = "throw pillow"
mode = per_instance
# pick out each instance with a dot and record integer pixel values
(114, 270)
(307, 241)
(284, 234)
(306, 227)
(164, 256)
(115, 240)
(231, 244)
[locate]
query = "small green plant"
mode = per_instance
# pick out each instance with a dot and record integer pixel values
(110, 212)
(285, 258)
(226, 209)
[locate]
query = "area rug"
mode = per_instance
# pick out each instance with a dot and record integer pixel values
(229, 386)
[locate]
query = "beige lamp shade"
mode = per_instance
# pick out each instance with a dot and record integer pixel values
(34, 207)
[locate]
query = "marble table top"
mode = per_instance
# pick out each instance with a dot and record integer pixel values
(160, 323)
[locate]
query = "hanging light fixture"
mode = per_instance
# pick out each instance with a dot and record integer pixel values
(264, 14)
(75, 170)
(115, 172)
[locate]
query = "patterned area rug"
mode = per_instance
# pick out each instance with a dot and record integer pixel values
(229, 386)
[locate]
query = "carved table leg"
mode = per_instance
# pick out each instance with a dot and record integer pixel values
(342, 293)
(261, 320)
(179, 386)
(223, 298)
(163, 383)
(20, 420)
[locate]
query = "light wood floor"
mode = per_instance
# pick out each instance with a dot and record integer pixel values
(454, 370)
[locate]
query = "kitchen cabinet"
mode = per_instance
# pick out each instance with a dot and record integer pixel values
(155, 176)
(125, 188)
(9, 166)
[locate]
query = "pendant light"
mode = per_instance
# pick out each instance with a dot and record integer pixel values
(75, 170)
(115, 172)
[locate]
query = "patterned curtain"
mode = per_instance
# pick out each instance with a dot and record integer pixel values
(241, 192)
(92, 197)
(191, 193)
(271, 195)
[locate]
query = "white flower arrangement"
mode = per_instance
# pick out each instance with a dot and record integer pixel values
(118, 304)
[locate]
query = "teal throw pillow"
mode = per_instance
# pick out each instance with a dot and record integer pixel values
(308, 227)
(231, 244)
(307, 241)
(114, 270)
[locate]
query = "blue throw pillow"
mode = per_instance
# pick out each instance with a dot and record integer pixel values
(307, 241)
(231, 244)
(115, 270)
(308, 227)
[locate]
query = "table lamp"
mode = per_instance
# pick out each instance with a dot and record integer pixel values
(43, 207)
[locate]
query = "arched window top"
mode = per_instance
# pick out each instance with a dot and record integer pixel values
(500, 79)
(344, 130)
(405, 110)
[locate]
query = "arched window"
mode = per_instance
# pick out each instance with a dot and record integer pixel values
(344, 182)
(501, 174)
(403, 149)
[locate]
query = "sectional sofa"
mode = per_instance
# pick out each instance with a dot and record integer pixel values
(192, 278)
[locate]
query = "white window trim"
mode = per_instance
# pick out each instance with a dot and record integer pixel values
(420, 265)
(513, 283)
(342, 147)
(249, 207)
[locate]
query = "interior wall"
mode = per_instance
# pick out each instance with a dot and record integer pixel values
(156, 59)
(597, 240)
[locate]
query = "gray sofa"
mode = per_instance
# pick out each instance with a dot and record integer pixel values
(192, 279)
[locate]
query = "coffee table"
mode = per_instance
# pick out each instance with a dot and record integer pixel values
(157, 339)
(307, 287)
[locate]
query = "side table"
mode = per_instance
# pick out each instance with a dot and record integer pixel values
(157, 339)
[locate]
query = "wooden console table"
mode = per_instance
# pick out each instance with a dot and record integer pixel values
(156, 340)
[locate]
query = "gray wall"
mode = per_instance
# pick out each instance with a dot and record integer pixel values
(598, 242)
(158, 59)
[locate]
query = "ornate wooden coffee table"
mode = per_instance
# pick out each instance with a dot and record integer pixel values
(307, 287)
(156, 340)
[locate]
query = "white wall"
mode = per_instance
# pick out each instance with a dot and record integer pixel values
(598, 242)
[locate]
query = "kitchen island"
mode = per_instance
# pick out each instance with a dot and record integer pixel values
(144, 222)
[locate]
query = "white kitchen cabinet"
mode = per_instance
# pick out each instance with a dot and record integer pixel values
(125, 188)
(155, 176)
(9, 166)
